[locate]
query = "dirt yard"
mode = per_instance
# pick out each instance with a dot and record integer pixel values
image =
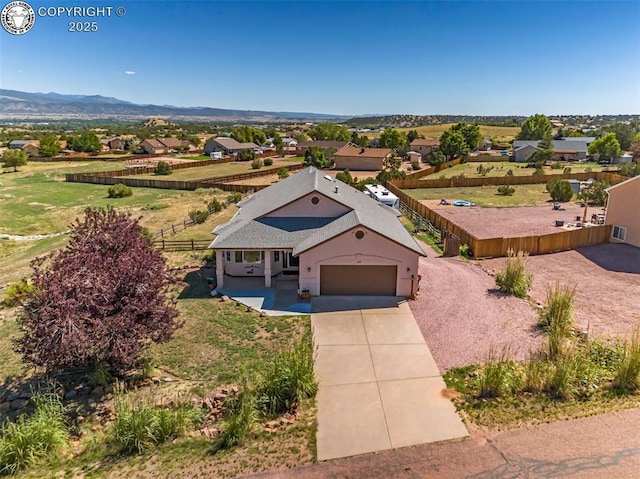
(510, 222)
(607, 282)
(462, 317)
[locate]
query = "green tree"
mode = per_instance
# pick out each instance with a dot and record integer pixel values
(596, 194)
(14, 158)
(436, 158)
(330, 131)
(87, 142)
(536, 127)
(392, 138)
(283, 173)
(605, 147)
(49, 146)
(453, 144)
(414, 135)
(624, 134)
(471, 134)
(314, 156)
(360, 140)
(561, 191)
(345, 177)
(246, 155)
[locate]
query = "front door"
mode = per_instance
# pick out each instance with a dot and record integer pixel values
(291, 263)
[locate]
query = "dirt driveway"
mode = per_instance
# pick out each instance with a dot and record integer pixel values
(607, 282)
(462, 317)
(513, 222)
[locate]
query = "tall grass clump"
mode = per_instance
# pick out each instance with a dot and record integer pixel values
(240, 420)
(514, 279)
(140, 424)
(627, 376)
(556, 318)
(563, 377)
(499, 376)
(287, 378)
(33, 437)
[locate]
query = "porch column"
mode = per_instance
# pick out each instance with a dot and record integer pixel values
(219, 269)
(267, 269)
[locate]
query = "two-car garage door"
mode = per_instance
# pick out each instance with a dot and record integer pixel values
(358, 280)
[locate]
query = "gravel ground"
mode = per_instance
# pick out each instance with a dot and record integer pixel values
(462, 317)
(607, 282)
(512, 222)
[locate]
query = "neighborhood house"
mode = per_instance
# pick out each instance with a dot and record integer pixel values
(563, 150)
(424, 147)
(623, 212)
(367, 159)
(336, 239)
(226, 145)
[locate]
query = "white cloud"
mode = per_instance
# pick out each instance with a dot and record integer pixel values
(129, 72)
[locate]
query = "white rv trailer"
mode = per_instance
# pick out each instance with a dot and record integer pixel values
(383, 195)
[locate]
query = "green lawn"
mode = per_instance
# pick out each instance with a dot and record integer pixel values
(501, 168)
(486, 196)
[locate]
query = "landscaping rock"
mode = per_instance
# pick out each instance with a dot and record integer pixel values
(155, 380)
(71, 394)
(5, 406)
(19, 404)
(98, 391)
(224, 298)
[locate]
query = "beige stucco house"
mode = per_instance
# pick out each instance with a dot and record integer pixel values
(623, 211)
(334, 238)
(356, 158)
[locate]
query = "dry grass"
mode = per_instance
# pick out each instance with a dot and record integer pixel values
(502, 133)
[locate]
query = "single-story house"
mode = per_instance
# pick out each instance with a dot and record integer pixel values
(289, 142)
(424, 146)
(20, 144)
(563, 150)
(623, 212)
(227, 145)
(113, 144)
(624, 158)
(356, 158)
(334, 238)
(156, 146)
(302, 147)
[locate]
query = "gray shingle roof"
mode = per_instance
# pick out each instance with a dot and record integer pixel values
(248, 229)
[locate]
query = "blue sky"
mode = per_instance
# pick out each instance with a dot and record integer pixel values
(477, 58)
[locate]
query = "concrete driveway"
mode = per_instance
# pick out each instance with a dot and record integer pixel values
(379, 385)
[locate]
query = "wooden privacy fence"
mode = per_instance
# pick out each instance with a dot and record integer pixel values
(409, 183)
(215, 182)
(433, 169)
(497, 247)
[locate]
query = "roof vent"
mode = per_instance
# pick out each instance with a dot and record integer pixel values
(328, 177)
(335, 189)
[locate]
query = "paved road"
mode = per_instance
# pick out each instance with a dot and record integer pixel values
(606, 446)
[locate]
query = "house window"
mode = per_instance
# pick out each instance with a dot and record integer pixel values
(359, 234)
(238, 257)
(227, 256)
(619, 232)
(252, 256)
(276, 256)
(315, 200)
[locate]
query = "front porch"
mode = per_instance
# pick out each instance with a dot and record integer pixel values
(280, 299)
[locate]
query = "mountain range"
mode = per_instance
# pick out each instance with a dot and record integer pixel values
(19, 104)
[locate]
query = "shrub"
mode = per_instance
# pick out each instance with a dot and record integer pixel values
(287, 378)
(499, 376)
(550, 184)
(246, 155)
(567, 170)
(163, 168)
(119, 191)
(588, 169)
(561, 191)
(268, 161)
(415, 166)
(539, 171)
(214, 206)
(256, 164)
(506, 190)
(240, 421)
(627, 376)
(509, 172)
(562, 379)
(536, 375)
(17, 293)
(465, 251)
(234, 197)
(140, 425)
(556, 166)
(199, 216)
(31, 438)
(514, 279)
(283, 173)
(483, 170)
